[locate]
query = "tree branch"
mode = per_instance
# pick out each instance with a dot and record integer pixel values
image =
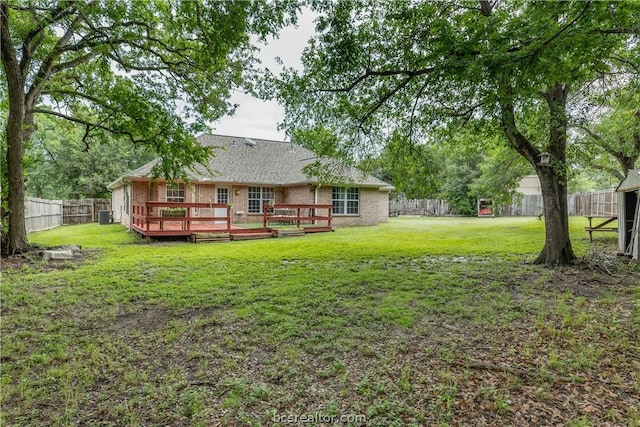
(74, 62)
(385, 73)
(93, 125)
(75, 93)
(611, 170)
(413, 110)
(33, 39)
(509, 127)
(46, 68)
(591, 133)
(384, 99)
(486, 8)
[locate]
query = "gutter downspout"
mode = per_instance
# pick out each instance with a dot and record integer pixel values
(130, 188)
(315, 199)
(315, 194)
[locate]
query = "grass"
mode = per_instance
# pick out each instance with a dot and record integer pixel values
(421, 321)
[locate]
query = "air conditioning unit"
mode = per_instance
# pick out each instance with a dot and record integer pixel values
(105, 217)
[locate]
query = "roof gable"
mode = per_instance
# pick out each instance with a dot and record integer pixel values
(261, 162)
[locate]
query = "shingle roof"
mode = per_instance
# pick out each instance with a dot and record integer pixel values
(264, 162)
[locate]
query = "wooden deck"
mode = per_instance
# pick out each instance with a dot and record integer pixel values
(305, 216)
(210, 220)
(180, 228)
(159, 219)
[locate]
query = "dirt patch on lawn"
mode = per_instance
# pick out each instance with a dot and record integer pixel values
(152, 318)
(33, 261)
(596, 275)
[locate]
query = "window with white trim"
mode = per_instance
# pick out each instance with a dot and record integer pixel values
(258, 196)
(345, 201)
(222, 195)
(175, 192)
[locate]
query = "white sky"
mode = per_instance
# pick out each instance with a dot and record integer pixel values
(255, 118)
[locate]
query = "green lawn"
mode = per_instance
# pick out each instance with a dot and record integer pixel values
(421, 321)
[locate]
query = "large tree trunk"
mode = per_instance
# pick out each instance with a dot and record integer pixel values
(16, 238)
(553, 176)
(553, 181)
(557, 244)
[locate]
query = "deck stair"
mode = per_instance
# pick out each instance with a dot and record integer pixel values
(288, 232)
(317, 229)
(210, 237)
(251, 234)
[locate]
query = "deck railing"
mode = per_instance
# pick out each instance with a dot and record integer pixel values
(295, 214)
(145, 215)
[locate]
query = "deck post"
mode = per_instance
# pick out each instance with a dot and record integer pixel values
(264, 216)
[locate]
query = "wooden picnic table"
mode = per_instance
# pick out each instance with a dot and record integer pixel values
(600, 226)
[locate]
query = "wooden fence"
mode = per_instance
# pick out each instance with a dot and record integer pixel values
(424, 207)
(42, 214)
(83, 211)
(597, 204)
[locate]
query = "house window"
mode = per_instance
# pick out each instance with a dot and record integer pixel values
(222, 195)
(345, 201)
(152, 191)
(175, 192)
(258, 196)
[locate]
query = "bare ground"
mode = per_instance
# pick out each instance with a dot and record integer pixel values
(545, 367)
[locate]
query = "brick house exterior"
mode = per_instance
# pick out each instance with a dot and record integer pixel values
(250, 172)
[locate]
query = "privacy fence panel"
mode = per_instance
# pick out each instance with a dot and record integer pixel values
(528, 205)
(83, 211)
(424, 207)
(596, 204)
(42, 214)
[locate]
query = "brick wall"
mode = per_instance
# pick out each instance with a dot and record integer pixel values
(374, 207)
(374, 204)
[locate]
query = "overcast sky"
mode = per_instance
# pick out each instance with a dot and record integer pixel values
(259, 119)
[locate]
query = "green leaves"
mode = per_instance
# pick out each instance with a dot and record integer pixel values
(131, 68)
(58, 165)
(153, 72)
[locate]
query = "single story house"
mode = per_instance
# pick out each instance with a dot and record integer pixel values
(249, 173)
(629, 215)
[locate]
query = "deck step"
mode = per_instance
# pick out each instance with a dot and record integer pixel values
(288, 232)
(210, 237)
(251, 236)
(317, 229)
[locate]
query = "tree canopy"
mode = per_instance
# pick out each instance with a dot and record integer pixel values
(154, 72)
(58, 165)
(609, 140)
(428, 68)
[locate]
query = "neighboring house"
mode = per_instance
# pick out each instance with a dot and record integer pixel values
(529, 184)
(247, 173)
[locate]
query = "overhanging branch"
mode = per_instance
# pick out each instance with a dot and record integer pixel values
(383, 73)
(88, 123)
